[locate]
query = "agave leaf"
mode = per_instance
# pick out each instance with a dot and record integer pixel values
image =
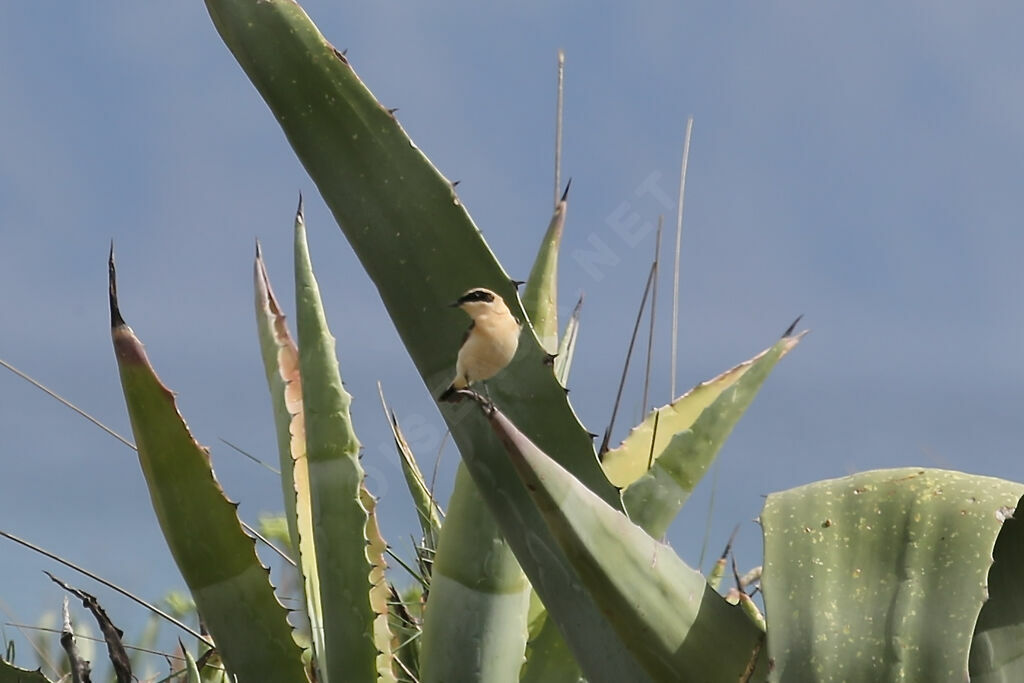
(400, 215)
(342, 525)
(474, 628)
(673, 623)
(427, 510)
(547, 655)
(191, 668)
(230, 586)
(567, 345)
(881, 575)
(410, 231)
(211, 668)
(281, 363)
(406, 623)
(540, 297)
(380, 591)
(997, 650)
(631, 459)
(10, 673)
(653, 500)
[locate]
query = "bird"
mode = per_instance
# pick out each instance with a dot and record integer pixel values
(490, 342)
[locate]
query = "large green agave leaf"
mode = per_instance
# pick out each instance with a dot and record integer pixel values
(349, 551)
(675, 625)
(421, 249)
(474, 628)
(654, 499)
(401, 216)
(880, 576)
(218, 561)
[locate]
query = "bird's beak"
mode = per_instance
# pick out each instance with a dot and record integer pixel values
(455, 304)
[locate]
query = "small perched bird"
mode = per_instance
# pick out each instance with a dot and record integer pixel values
(489, 344)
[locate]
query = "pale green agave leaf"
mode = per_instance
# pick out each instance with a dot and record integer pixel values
(230, 586)
(281, 364)
(881, 576)
(474, 628)
(567, 345)
(675, 626)
(191, 668)
(632, 458)
(547, 654)
(380, 591)
(428, 512)
(540, 296)
(356, 648)
(655, 498)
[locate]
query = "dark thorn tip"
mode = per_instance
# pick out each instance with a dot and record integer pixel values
(392, 110)
(455, 183)
(789, 330)
(518, 283)
(300, 211)
(565, 195)
(115, 313)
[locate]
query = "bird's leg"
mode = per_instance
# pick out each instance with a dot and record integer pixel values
(487, 395)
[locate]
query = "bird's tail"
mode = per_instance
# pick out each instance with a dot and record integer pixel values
(460, 382)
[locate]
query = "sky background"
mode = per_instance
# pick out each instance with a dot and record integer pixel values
(859, 167)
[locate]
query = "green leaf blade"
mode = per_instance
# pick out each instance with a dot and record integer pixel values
(281, 365)
(475, 623)
(230, 586)
(540, 296)
(675, 626)
(339, 516)
(880, 575)
(655, 498)
(10, 673)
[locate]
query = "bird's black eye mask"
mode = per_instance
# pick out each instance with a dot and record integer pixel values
(476, 295)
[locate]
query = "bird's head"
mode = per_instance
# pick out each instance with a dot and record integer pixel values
(479, 301)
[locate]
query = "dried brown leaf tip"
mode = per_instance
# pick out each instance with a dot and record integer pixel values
(111, 634)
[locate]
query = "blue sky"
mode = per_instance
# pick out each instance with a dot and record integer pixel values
(859, 167)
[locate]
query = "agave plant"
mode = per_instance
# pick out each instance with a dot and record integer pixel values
(548, 564)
